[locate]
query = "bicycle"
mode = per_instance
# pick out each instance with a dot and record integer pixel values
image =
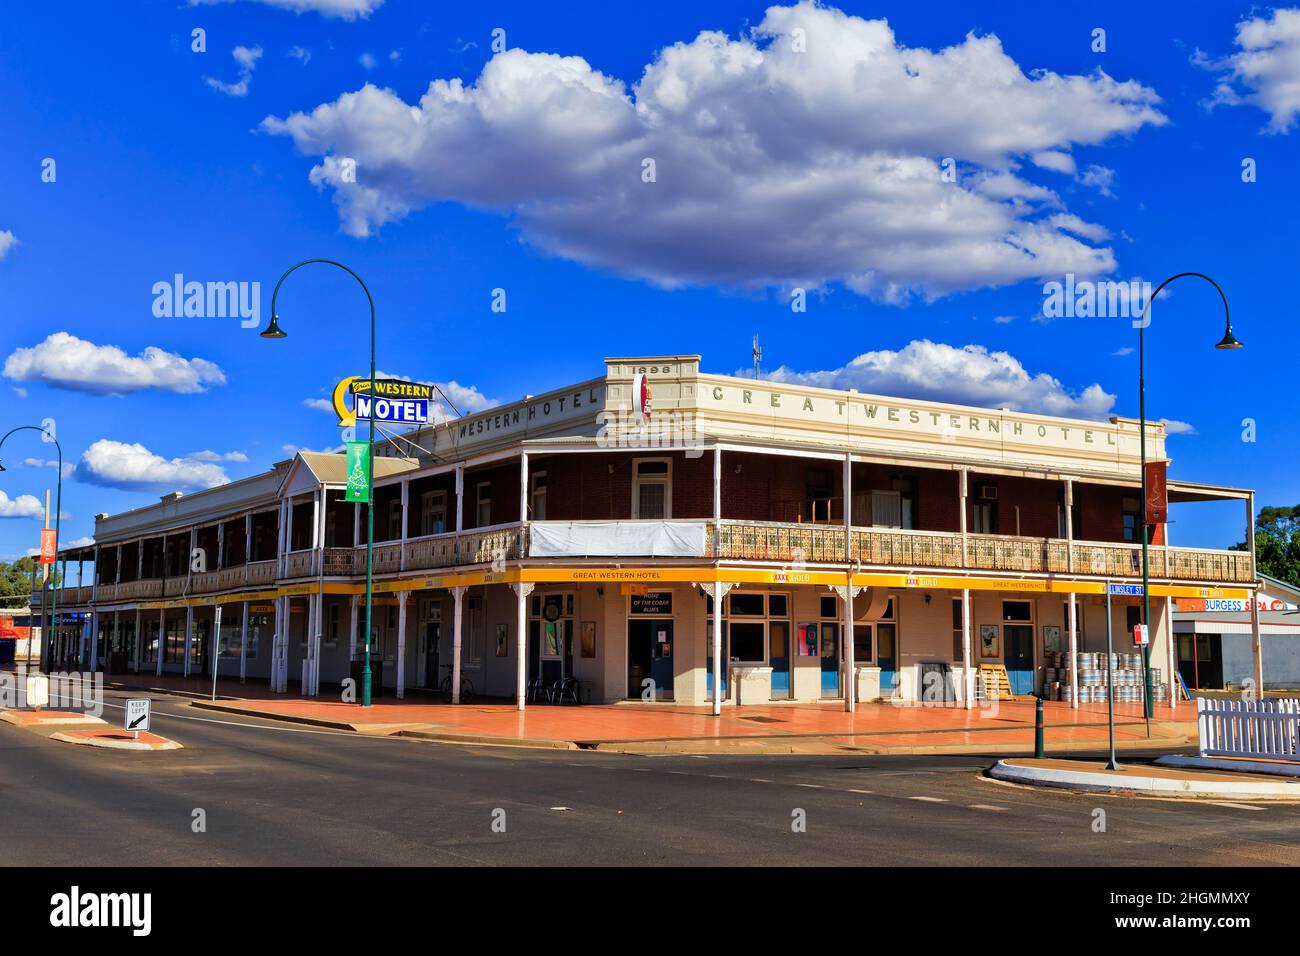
(466, 686)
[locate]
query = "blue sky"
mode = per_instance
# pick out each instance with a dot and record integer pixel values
(159, 171)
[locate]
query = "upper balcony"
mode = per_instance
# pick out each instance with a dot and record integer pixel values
(937, 550)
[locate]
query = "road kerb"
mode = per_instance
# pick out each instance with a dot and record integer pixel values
(114, 739)
(1140, 780)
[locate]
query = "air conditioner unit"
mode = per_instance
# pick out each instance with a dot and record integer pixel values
(987, 492)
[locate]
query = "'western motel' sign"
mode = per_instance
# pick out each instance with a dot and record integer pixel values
(394, 401)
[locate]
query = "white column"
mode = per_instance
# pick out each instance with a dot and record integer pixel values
(194, 543)
(221, 545)
(457, 594)
(1072, 620)
(1256, 642)
(288, 530)
(1170, 677)
(406, 501)
(312, 644)
(117, 578)
(717, 506)
(847, 593)
(139, 563)
(248, 537)
(139, 639)
(850, 671)
(967, 666)
(522, 590)
(316, 512)
(460, 494)
(279, 647)
(189, 637)
(401, 643)
(162, 639)
(354, 623)
(1069, 524)
(243, 644)
(962, 482)
(523, 486)
(93, 653)
(718, 591)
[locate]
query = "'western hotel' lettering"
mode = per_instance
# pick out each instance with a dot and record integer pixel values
(892, 413)
(496, 422)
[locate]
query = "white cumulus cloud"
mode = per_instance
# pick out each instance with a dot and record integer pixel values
(806, 151)
(134, 467)
(970, 375)
(65, 361)
(342, 9)
(24, 506)
(1265, 70)
(7, 241)
(247, 58)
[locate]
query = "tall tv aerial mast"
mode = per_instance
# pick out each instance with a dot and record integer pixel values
(758, 356)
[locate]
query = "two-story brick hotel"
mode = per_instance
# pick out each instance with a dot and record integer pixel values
(856, 543)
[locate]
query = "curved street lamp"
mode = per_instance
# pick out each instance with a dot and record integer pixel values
(1229, 341)
(58, 510)
(273, 331)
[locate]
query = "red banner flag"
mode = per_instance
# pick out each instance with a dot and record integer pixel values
(1157, 503)
(49, 545)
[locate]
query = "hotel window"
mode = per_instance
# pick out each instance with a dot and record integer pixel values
(433, 512)
(537, 500)
(1132, 532)
(957, 648)
(394, 519)
(984, 512)
(483, 505)
(474, 645)
(651, 488)
(750, 615)
(332, 625)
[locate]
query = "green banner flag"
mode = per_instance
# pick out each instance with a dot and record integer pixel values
(358, 471)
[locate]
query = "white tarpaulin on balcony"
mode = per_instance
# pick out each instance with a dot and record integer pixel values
(593, 539)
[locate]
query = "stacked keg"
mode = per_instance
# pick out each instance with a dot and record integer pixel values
(1125, 676)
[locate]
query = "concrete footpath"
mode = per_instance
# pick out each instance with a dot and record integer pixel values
(877, 728)
(1144, 779)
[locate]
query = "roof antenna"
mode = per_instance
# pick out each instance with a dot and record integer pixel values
(758, 356)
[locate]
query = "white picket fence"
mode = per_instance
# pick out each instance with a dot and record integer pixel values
(1249, 728)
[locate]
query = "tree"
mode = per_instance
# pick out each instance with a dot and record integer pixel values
(1277, 543)
(16, 581)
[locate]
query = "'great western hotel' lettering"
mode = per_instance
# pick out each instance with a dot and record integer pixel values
(941, 422)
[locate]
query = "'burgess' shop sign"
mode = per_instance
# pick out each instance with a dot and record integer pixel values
(1264, 603)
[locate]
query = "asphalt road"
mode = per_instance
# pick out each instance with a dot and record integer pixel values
(272, 794)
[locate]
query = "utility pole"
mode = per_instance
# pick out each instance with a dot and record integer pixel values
(758, 356)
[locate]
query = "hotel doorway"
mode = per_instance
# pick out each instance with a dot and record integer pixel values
(650, 644)
(650, 657)
(1018, 645)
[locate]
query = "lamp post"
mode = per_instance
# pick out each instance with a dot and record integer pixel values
(58, 510)
(1229, 341)
(273, 331)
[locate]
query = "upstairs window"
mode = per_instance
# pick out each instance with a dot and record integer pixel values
(433, 512)
(984, 511)
(483, 508)
(652, 488)
(1132, 527)
(537, 497)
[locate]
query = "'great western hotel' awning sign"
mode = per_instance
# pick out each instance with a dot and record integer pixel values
(394, 401)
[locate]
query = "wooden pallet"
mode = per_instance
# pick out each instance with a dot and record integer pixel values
(995, 683)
